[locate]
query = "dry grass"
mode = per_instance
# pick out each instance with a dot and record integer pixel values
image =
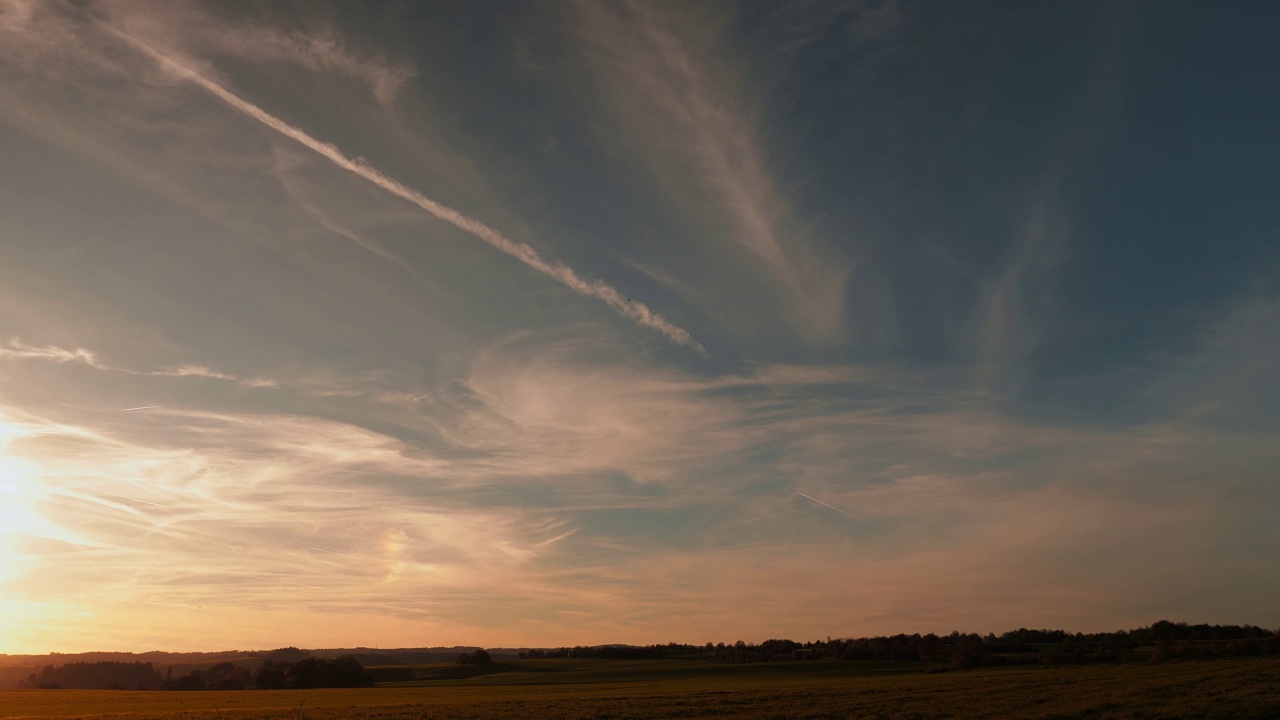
(1246, 689)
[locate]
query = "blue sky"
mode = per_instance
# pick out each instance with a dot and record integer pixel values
(548, 323)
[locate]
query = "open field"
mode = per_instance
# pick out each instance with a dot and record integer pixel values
(617, 689)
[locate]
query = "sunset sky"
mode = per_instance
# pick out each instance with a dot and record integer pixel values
(546, 323)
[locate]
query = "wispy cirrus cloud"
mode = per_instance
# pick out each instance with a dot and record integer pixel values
(1229, 381)
(283, 171)
(15, 349)
(206, 372)
(192, 514)
(566, 456)
(683, 115)
(191, 30)
(1013, 309)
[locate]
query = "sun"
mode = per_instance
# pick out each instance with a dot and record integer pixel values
(16, 511)
(21, 493)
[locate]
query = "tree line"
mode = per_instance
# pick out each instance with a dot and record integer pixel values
(307, 673)
(618, 652)
(290, 668)
(1163, 640)
(93, 675)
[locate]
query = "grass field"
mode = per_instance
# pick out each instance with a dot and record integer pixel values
(1247, 689)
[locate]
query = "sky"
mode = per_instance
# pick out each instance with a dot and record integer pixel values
(550, 323)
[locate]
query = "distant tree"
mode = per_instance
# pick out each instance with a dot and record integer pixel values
(270, 677)
(346, 672)
(929, 646)
(1166, 631)
(191, 681)
(480, 657)
(967, 651)
(308, 673)
(303, 674)
(288, 655)
(227, 676)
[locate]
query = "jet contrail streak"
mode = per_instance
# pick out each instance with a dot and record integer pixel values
(141, 407)
(147, 502)
(833, 507)
(634, 311)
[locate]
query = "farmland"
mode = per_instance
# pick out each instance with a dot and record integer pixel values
(692, 688)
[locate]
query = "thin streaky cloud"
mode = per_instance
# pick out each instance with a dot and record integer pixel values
(637, 312)
(328, 223)
(15, 349)
(137, 500)
(833, 507)
(141, 407)
(205, 372)
(321, 48)
(659, 80)
(18, 350)
(1009, 331)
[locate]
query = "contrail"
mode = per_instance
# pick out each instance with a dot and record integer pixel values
(141, 407)
(147, 502)
(634, 311)
(833, 507)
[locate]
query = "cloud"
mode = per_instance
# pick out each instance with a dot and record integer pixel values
(282, 170)
(635, 311)
(1228, 382)
(16, 14)
(540, 409)
(606, 487)
(204, 372)
(228, 511)
(681, 113)
(1014, 310)
(187, 29)
(15, 349)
